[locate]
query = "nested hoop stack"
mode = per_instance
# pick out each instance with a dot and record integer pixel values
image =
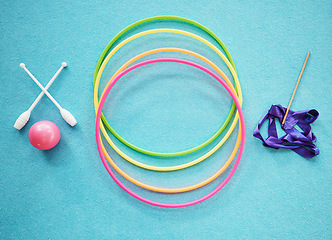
(234, 92)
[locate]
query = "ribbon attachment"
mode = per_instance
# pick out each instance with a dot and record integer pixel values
(299, 142)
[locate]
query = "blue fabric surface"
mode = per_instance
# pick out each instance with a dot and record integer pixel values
(65, 193)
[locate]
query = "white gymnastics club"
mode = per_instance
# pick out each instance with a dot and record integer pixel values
(24, 117)
(66, 115)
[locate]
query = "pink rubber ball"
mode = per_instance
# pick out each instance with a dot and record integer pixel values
(44, 135)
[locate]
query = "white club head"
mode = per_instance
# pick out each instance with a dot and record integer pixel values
(68, 117)
(22, 120)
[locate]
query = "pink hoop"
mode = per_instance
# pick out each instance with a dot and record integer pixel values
(98, 138)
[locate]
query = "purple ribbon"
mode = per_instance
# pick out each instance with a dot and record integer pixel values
(299, 142)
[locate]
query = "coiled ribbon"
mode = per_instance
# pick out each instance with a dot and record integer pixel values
(299, 142)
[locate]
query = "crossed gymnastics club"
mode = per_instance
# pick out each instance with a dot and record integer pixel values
(24, 117)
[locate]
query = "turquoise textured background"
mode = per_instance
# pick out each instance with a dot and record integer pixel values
(65, 193)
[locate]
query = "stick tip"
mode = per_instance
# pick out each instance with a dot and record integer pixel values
(64, 64)
(22, 65)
